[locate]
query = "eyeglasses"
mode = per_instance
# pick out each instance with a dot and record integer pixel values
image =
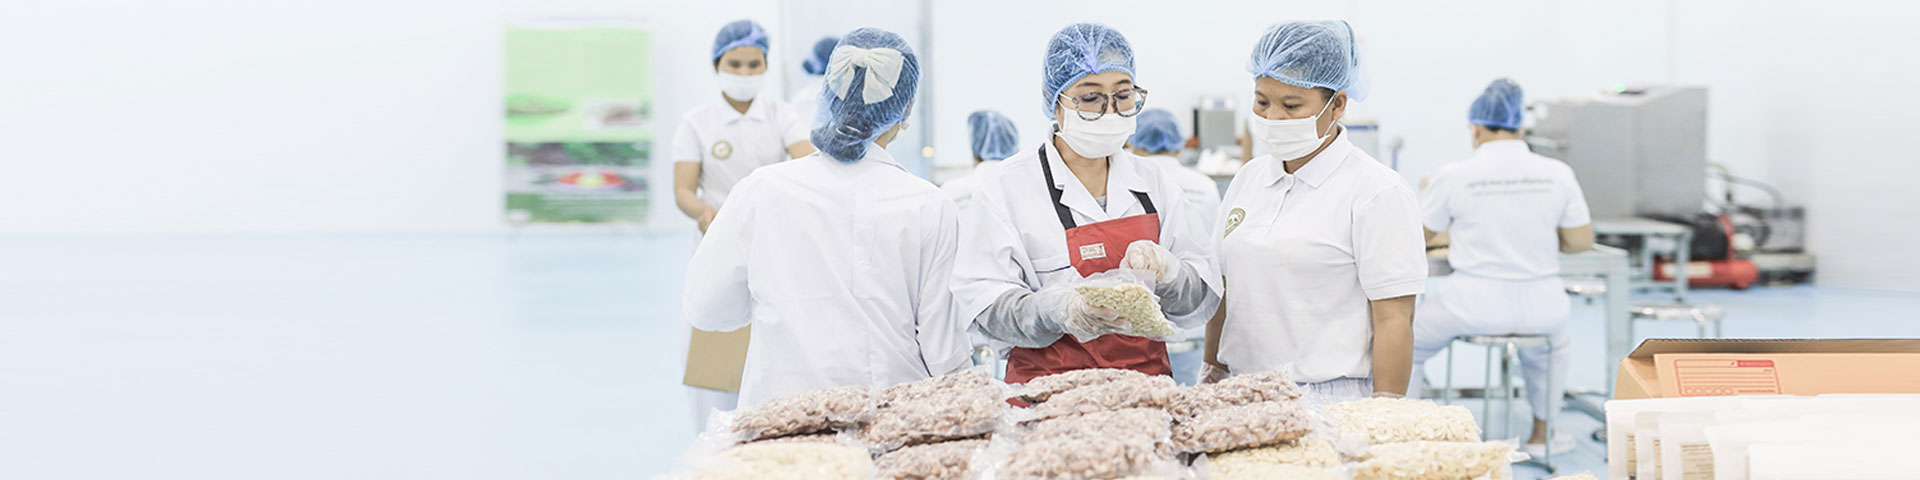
(1125, 103)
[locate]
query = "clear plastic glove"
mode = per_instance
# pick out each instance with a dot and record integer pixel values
(1150, 256)
(1388, 395)
(1212, 372)
(1087, 322)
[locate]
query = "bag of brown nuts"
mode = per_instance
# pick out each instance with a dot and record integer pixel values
(810, 412)
(1245, 426)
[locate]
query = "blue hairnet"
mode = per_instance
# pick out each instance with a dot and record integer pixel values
(870, 82)
(740, 33)
(816, 64)
(994, 137)
(1318, 54)
(1500, 105)
(1080, 50)
(1156, 132)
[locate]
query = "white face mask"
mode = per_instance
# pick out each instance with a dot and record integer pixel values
(1097, 138)
(741, 87)
(1289, 139)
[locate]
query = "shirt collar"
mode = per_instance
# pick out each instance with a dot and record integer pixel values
(1122, 180)
(1503, 146)
(1323, 164)
(756, 111)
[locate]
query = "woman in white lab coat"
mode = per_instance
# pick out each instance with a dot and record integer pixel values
(1320, 244)
(840, 261)
(1077, 205)
(715, 146)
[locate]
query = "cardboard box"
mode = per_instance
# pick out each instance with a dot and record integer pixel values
(1669, 367)
(716, 359)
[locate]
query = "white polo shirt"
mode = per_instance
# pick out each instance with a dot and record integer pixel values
(1304, 253)
(728, 144)
(1502, 208)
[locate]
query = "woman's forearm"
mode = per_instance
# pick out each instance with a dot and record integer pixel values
(686, 193)
(1214, 326)
(1392, 344)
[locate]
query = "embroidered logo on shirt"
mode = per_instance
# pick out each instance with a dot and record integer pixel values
(1093, 251)
(1233, 220)
(722, 149)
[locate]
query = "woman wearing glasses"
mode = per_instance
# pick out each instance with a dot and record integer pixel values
(1077, 205)
(1321, 243)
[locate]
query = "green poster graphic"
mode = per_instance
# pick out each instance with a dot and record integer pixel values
(578, 103)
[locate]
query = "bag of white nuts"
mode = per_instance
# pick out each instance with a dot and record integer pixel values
(1041, 389)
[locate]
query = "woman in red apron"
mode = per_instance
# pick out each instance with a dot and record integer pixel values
(1025, 243)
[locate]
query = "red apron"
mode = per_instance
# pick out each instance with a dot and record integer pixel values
(1093, 249)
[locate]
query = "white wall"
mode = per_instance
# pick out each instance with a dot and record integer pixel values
(212, 116)
(1819, 101)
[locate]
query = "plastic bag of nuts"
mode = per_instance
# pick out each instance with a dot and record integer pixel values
(1310, 451)
(1253, 425)
(1087, 457)
(1238, 390)
(939, 418)
(1266, 471)
(810, 412)
(1040, 389)
(965, 382)
(1436, 461)
(1394, 420)
(1142, 392)
(1134, 302)
(788, 461)
(1132, 423)
(814, 438)
(935, 461)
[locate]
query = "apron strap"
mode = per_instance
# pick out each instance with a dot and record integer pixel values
(1066, 216)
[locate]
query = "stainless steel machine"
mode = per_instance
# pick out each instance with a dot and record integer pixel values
(1639, 151)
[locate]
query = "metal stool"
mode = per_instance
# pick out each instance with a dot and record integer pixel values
(1587, 288)
(1509, 346)
(1704, 315)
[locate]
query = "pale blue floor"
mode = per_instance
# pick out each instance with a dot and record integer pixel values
(547, 355)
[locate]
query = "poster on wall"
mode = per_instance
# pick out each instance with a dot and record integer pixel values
(579, 105)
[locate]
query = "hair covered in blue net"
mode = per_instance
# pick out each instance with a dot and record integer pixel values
(870, 82)
(994, 137)
(1156, 132)
(1501, 105)
(1080, 50)
(816, 63)
(1311, 54)
(740, 33)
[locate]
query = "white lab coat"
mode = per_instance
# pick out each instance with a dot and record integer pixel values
(1011, 237)
(843, 270)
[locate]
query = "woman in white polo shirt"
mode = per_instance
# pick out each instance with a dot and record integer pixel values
(1320, 244)
(716, 146)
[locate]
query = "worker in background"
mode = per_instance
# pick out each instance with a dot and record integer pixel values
(1320, 244)
(806, 96)
(1076, 205)
(715, 146)
(840, 260)
(993, 138)
(1509, 213)
(1157, 140)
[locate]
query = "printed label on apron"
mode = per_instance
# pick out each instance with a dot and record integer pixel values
(1093, 251)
